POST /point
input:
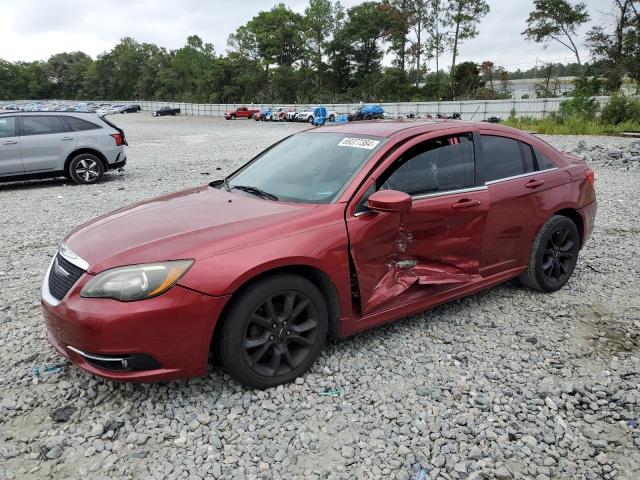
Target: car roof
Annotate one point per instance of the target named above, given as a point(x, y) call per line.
point(389, 128)
point(45, 112)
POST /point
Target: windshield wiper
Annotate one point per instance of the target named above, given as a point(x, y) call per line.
point(255, 191)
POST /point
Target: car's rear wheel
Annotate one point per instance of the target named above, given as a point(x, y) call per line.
point(310, 119)
point(554, 255)
point(273, 331)
point(85, 169)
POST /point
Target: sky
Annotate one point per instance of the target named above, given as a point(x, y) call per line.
point(36, 29)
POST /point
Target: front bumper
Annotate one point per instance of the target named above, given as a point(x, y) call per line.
point(173, 329)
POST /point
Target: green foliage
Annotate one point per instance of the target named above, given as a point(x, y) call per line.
point(466, 80)
point(579, 107)
point(569, 126)
point(556, 20)
point(621, 108)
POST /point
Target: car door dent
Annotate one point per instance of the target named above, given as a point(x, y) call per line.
point(404, 271)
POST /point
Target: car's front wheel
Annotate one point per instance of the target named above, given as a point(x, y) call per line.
point(86, 169)
point(274, 331)
point(554, 255)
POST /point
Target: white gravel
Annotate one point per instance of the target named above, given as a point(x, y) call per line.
point(504, 384)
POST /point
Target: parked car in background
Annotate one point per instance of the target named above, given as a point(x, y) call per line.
point(283, 114)
point(327, 233)
point(164, 111)
point(241, 112)
point(367, 112)
point(80, 146)
point(262, 115)
point(131, 109)
point(309, 115)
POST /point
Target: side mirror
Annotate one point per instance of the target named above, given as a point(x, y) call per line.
point(390, 201)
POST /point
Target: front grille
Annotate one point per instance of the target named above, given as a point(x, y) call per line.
point(63, 276)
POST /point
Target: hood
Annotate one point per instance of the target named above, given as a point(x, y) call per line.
point(194, 223)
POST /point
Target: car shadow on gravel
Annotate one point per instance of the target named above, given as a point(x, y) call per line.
point(51, 182)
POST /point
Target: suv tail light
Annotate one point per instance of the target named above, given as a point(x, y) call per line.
point(118, 138)
point(591, 177)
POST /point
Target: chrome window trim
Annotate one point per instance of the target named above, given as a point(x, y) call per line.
point(448, 192)
point(522, 175)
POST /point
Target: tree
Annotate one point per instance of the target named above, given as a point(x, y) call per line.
point(617, 52)
point(438, 40)
point(466, 80)
point(276, 35)
point(464, 16)
point(356, 49)
point(67, 73)
point(487, 67)
point(556, 20)
point(321, 19)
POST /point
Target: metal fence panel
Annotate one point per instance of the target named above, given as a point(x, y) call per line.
point(469, 110)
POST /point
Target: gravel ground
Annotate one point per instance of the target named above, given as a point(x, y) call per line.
point(504, 384)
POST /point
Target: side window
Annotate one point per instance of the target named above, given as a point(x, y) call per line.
point(7, 127)
point(543, 162)
point(33, 125)
point(529, 160)
point(501, 158)
point(441, 164)
point(79, 125)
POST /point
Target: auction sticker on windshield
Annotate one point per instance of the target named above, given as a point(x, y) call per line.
point(357, 142)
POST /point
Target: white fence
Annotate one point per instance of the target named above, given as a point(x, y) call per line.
point(470, 110)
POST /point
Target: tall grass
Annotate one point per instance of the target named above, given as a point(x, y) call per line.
point(572, 125)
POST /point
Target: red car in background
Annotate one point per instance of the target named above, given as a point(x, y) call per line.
point(327, 233)
point(241, 112)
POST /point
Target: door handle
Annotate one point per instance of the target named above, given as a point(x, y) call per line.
point(11, 142)
point(66, 138)
point(466, 203)
point(534, 183)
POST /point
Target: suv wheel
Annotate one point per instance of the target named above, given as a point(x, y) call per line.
point(273, 332)
point(310, 119)
point(554, 255)
point(86, 169)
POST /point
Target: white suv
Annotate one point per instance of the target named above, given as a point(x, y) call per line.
point(80, 146)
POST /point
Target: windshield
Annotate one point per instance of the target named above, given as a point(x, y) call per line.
point(308, 167)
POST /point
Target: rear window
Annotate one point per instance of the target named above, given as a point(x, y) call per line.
point(501, 158)
point(543, 162)
point(35, 125)
point(79, 125)
point(7, 127)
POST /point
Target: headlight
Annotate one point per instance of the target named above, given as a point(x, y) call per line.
point(136, 282)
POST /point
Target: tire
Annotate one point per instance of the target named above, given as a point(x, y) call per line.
point(553, 256)
point(332, 118)
point(249, 346)
point(85, 169)
point(310, 119)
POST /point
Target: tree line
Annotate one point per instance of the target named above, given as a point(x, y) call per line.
point(386, 50)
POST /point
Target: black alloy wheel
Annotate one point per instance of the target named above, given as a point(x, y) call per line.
point(554, 255)
point(280, 333)
point(273, 331)
point(559, 255)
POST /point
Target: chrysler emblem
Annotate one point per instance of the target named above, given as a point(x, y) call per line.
point(59, 270)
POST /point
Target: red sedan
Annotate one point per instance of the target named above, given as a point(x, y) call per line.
point(327, 233)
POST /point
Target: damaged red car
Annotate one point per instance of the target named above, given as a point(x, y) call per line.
point(325, 234)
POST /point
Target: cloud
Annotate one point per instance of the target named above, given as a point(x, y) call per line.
point(37, 29)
